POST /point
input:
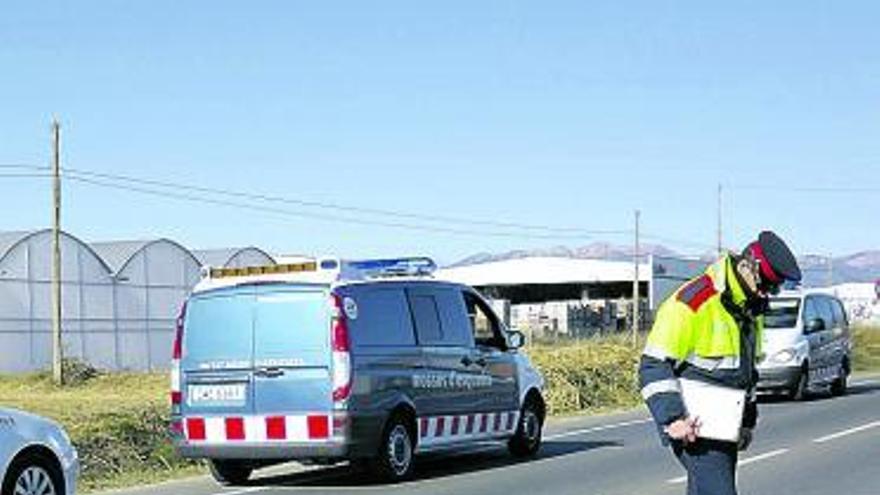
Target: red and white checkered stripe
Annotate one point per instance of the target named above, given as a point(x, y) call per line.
point(258, 429)
point(435, 430)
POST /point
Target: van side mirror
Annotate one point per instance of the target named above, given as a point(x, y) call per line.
point(815, 325)
point(515, 339)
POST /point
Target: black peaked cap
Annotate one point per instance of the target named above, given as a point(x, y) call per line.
point(779, 256)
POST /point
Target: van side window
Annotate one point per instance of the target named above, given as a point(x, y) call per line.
point(453, 318)
point(810, 311)
point(382, 318)
point(825, 311)
point(427, 318)
point(483, 323)
point(839, 313)
point(440, 318)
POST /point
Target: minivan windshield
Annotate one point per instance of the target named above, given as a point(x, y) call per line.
point(782, 313)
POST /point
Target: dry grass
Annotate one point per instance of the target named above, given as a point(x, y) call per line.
point(118, 423)
point(593, 375)
point(866, 348)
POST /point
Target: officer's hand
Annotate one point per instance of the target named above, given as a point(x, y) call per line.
point(745, 438)
point(685, 429)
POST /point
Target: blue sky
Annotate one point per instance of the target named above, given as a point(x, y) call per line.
point(563, 114)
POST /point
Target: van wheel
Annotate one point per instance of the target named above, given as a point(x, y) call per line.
point(801, 388)
point(394, 461)
point(35, 474)
point(527, 440)
point(839, 385)
point(229, 473)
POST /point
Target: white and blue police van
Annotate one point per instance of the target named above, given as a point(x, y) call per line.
point(328, 360)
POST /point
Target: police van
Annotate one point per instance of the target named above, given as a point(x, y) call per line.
point(330, 360)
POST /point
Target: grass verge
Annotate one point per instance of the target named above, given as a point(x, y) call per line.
point(595, 375)
point(866, 348)
point(118, 423)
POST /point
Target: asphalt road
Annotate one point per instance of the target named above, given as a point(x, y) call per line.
point(822, 446)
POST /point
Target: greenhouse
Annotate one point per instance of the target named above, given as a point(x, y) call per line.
point(119, 299)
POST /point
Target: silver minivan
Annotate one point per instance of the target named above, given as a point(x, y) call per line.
point(806, 345)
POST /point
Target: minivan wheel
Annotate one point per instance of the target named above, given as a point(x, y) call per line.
point(230, 473)
point(33, 474)
point(801, 388)
point(839, 385)
point(527, 440)
point(394, 461)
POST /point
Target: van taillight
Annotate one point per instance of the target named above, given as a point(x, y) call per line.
point(177, 351)
point(341, 345)
point(176, 355)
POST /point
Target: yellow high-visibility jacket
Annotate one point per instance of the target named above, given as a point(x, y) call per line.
point(704, 331)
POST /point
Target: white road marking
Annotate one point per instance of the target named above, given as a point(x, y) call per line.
point(846, 432)
point(744, 462)
point(598, 428)
point(243, 491)
point(865, 382)
point(761, 457)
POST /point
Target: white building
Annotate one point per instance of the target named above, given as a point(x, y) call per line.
point(572, 296)
point(862, 300)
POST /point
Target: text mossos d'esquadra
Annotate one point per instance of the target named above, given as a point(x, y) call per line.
point(451, 380)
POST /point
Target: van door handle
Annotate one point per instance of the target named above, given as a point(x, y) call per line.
point(467, 361)
point(270, 372)
point(481, 362)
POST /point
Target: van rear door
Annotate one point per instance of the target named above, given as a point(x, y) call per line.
point(292, 355)
point(217, 362)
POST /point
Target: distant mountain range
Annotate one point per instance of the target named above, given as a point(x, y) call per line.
point(859, 267)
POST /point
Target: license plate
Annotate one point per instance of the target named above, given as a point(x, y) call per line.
point(216, 394)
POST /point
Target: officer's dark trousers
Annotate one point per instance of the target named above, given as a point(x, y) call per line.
point(710, 465)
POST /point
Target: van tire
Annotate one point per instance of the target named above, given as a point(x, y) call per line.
point(527, 440)
point(839, 385)
point(230, 473)
point(396, 456)
point(800, 390)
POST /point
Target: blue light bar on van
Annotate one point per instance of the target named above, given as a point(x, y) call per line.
point(395, 266)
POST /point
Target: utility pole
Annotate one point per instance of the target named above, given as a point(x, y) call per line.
point(635, 317)
point(830, 270)
point(57, 374)
point(720, 239)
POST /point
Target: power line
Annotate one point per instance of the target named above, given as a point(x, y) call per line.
point(22, 175)
point(682, 242)
point(826, 189)
point(340, 207)
point(319, 216)
point(23, 166)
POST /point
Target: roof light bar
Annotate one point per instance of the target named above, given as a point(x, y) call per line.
point(244, 271)
point(395, 266)
point(335, 268)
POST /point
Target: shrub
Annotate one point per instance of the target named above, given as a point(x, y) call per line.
point(592, 375)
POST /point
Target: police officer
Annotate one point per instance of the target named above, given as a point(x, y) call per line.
point(710, 330)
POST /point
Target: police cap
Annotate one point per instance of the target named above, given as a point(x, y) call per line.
point(778, 264)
